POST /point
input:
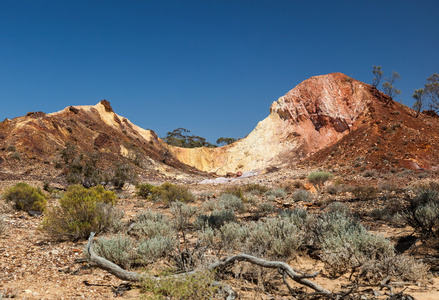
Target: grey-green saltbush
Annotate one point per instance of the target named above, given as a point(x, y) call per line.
point(277, 193)
point(338, 207)
point(230, 202)
point(2, 225)
point(301, 195)
point(423, 213)
point(150, 224)
point(274, 238)
point(156, 247)
point(182, 214)
point(225, 202)
point(345, 243)
point(267, 207)
point(233, 236)
point(118, 249)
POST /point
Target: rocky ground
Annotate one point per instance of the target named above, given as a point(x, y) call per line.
point(33, 266)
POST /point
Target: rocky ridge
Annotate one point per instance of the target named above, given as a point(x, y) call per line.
point(315, 114)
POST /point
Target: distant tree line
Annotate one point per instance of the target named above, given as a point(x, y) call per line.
point(181, 137)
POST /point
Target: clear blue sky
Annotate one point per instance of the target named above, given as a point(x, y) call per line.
point(213, 67)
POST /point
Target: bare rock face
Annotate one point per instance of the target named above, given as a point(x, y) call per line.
point(316, 113)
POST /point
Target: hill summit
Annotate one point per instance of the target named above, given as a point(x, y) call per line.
point(325, 120)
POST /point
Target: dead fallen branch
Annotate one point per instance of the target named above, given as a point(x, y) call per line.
point(282, 267)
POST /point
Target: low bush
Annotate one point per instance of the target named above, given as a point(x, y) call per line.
point(338, 207)
point(2, 225)
point(294, 185)
point(123, 174)
point(216, 219)
point(224, 202)
point(273, 238)
point(333, 189)
point(118, 249)
point(233, 236)
point(168, 192)
point(150, 224)
point(364, 192)
point(195, 286)
point(230, 202)
point(423, 213)
point(237, 191)
point(254, 188)
point(301, 195)
point(267, 208)
point(277, 193)
point(182, 214)
point(401, 267)
point(152, 249)
point(82, 211)
point(144, 190)
point(25, 197)
point(318, 179)
point(346, 244)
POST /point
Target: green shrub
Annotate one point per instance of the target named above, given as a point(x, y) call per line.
point(16, 155)
point(318, 179)
point(11, 148)
point(168, 192)
point(144, 190)
point(82, 211)
point(25, 197)
point(118, 249)
point(195, 286)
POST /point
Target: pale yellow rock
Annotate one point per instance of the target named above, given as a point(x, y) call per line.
point(315, 114)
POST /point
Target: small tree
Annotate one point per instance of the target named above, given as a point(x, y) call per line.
point(432, 91)
point(389, 86)
point(419, 96)
point(180, 137)
point(225, 141)
point(318, 179)
point(377, 76)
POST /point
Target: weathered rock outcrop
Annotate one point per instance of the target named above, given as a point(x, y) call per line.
point(315, 114)
point(37, 140)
